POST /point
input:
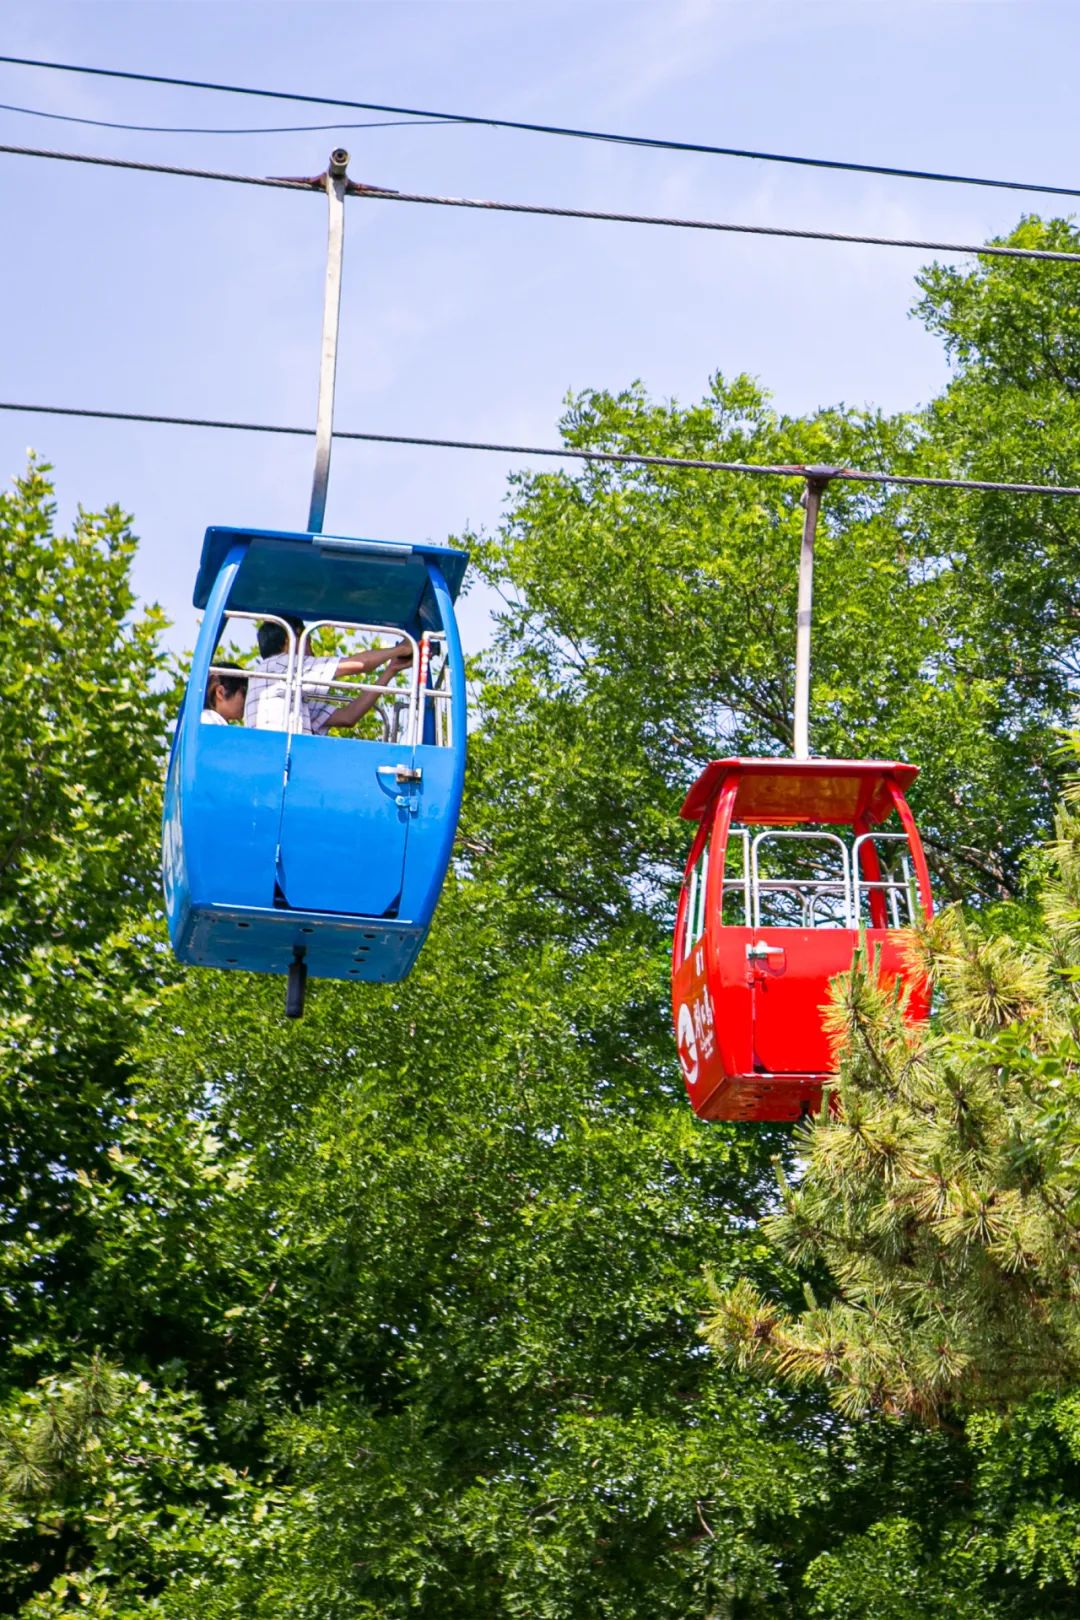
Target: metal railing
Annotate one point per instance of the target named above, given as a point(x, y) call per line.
point(302, 690)
point(401, 710)
point(807, 891)
point(434, 684)
point(892, 888)
point(834, 900)
point(249, 674)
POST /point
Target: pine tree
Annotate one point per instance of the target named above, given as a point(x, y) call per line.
point(939, 1199)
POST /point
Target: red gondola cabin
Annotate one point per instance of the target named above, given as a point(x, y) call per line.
point(791, 859)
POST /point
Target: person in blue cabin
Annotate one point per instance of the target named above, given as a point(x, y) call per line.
point(225, 697)
point(267, 705)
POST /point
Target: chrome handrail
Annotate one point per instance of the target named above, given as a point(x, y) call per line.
point(348, 683)
point(890, 887)
point(795, 885)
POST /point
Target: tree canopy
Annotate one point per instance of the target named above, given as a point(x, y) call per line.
point(399, 1311)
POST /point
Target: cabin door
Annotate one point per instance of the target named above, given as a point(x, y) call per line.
point(346, 812)
point(801, 936)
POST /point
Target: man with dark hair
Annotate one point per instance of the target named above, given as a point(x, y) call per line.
point(268, 698)
point(273, 638)
point(225, 697)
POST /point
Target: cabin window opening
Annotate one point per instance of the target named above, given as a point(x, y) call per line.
point(894, 880)
point(800, 880)
point(736, 908)
point(696, 884)
point(314, 695)
point(298, 689)
point(817, 879)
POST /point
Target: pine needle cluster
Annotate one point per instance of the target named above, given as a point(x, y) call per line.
point(939, 1199)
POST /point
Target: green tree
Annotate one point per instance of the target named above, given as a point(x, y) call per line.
point(81, 738)
point(469, 1243)
point(664, 602)
point(940, 1194)
point(103, 1492)
point(103, 1477)
point(405, 1302)
point(1011, 330)
point(940, 1197)
point(467, 1278)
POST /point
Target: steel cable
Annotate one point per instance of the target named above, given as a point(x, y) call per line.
point(542, 210)
point(789, 231)
point(202, 129)
point(566, 131)
point(850, 475)
point(160, 168)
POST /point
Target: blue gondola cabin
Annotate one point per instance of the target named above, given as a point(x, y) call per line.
point(282, 845)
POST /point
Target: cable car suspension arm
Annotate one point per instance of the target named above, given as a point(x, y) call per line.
point(817, 481)
point(336, 184)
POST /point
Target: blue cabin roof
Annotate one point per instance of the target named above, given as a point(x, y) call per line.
point(315, 576)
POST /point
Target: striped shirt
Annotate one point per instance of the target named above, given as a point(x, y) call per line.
point(267, 706)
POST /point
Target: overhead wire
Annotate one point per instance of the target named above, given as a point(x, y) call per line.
point(200, 129)
point(564, 131)
point(789, 232)
point(279, 183)
point(927, 245)
point(850, 475)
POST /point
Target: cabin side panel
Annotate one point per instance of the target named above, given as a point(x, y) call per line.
point(695, 1030)
point(232, 812)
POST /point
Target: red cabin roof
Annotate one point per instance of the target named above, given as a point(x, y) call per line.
point(781, 792)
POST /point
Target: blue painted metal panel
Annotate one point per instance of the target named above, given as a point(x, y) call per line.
point(431, 835)
point(233, 814)
point(180, 842)
point(174, 879)
point(442, 781)
point(319, 576)
point(335, 947)
point(345, 826)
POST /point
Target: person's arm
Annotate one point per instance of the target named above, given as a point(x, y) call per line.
point(349, 713)
point(361, 663)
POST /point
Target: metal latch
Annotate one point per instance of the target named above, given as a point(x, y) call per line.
point(758, 952)
point(401, 773)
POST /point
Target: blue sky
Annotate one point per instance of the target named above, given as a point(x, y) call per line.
point(145, 293)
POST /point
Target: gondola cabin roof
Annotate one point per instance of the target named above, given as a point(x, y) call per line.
point(315, 576)
point(783, 792)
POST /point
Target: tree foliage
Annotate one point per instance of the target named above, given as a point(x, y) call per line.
point(397, 1312)
point(103, 1492)
point(81, 736)
point(940, 1191)
point(941, 1198)
point(664, 602)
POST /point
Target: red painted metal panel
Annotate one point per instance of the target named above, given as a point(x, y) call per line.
point(778, 792)
point(791, 991)
point(695, 1030)
point(748, 1021)
point(790, 988)
point(922, 873)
